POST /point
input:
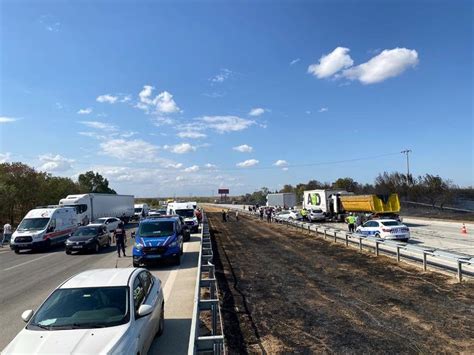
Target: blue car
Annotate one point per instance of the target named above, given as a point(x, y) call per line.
point(158, 239)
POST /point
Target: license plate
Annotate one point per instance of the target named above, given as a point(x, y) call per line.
point(154, 256)
point(77, 246)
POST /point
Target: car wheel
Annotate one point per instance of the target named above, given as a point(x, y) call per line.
point(177, 259)
point(161, 325)
point(377, 235)
point(17, 251)
point(136, 264)
point(68, 252)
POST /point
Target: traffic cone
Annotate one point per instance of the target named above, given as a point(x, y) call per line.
point(464, 229)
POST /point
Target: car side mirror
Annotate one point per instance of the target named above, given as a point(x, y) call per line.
point(26, 315)
point(144, 310)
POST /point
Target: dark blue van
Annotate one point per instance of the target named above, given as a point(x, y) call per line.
point(158, 239)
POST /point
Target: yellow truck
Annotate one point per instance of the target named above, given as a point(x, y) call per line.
point(371, 203)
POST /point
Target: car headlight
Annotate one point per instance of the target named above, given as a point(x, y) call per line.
point(68, 242)
point(138, 246)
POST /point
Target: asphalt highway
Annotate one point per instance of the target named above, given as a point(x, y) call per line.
point(26, 279)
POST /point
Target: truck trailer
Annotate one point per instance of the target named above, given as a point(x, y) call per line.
point(91, 206)
point(286, 199)
point(336, 204)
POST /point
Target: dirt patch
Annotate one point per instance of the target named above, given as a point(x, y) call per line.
point(286, 291)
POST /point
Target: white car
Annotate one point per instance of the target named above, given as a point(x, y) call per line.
point(102, 311)
point(111, 223)
point(289, 214)
point(385, 229)
point(316, 215)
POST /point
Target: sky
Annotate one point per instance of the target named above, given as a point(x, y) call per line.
point(184, 97)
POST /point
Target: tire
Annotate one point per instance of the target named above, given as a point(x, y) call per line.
point(377, 235)
point(68, 252)
point(136, 264)
point(17, 251)
point(161, 326)
point(177, 259)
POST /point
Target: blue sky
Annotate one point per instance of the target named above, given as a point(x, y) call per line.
point(182, 97)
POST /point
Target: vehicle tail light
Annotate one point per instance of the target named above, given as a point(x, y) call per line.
point(386, 230)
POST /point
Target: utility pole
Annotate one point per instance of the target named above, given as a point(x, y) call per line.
point(407, 152)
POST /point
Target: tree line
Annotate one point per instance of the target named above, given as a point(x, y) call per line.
point(22, 188)
point(427, 188)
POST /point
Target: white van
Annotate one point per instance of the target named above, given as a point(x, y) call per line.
point(185, 210)
point(43, 227)
point(141, 210)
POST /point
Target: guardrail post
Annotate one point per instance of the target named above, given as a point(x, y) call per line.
point(459, 271)
point(360, 243)
point(376, 248)
point(335, 236)
point(325, 233)
point(347, 240)
point(398, 253)
point(424, 261)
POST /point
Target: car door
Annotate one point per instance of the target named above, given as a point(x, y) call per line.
point(365, 230)
point(152, 299)
point(140, 324)
point(103, 235)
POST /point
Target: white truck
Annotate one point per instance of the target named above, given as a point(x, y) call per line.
point(284, 199)
point(43, 227)
point(185, 210)
point(327, 201)
point(91, 206)
point(140, 210)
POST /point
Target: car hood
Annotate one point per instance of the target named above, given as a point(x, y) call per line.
point(75, 341)
point(80, 238)
point(154, 241)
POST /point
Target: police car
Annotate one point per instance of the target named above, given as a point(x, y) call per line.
point(385, 229)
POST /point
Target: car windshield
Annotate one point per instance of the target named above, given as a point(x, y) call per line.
point(188, 213)
point(29, 224)
point(391, 223)
point(156, 229)
point(317, 211)
point(86, 231)
point(100, 220)
point(138, 210)
point(77, 308)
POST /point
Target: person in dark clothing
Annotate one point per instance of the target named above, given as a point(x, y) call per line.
point(119, 236)
point(261, 214)
point(224, 216)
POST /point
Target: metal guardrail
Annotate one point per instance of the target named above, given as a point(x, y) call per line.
point(389, 247)
point(213, 343)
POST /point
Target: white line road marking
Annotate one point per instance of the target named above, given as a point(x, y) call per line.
point(26, 262)
point(172, 277)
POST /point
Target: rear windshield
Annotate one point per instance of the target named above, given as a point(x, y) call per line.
point(86, 231)
point(138, 210)
point(391, 223)
point(156, 229)
point(188, 213)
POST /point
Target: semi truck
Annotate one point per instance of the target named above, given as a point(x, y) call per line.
point(285, 199)
point(91, 206)
point(336, 204)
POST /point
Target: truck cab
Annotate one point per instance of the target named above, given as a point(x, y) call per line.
point(158, 239)
point(44, 227)
point(141, 210)
point(187, 211)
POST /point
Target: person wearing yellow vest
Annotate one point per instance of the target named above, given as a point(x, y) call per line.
point(351, 221)
point(304, 213)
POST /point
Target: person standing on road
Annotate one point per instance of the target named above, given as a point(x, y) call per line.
point(224, 216)
point(119, 236)
point(7, 233)
point(237, 216)
point(261, 214)
point(351, 220)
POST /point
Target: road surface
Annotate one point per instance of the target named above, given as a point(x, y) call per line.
point(26, 279)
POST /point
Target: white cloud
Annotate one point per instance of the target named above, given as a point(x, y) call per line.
point(180, 148)
point(128, 134)
point(281, 163)
point(107, 98)
point(191, 134)
point(174, 165)
point(389, 63)
point(210, 166)
point(130, 150)
point(54, 163)
point(179, 178)
point(294, 61)
point(244, 148)
point(84, 111)
point(258, 111)
point(92, 135)
point(162, 121)
point(163, 103)
point(284, 169)
point(330, 64)
point(4, 119)
point(223, 124)
point(50, 23)
point(222, 76)
point(323, 109)
point(308, 112)
point(4, 157)
point(192, 169)
point(248, 163)
point(99, 125)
